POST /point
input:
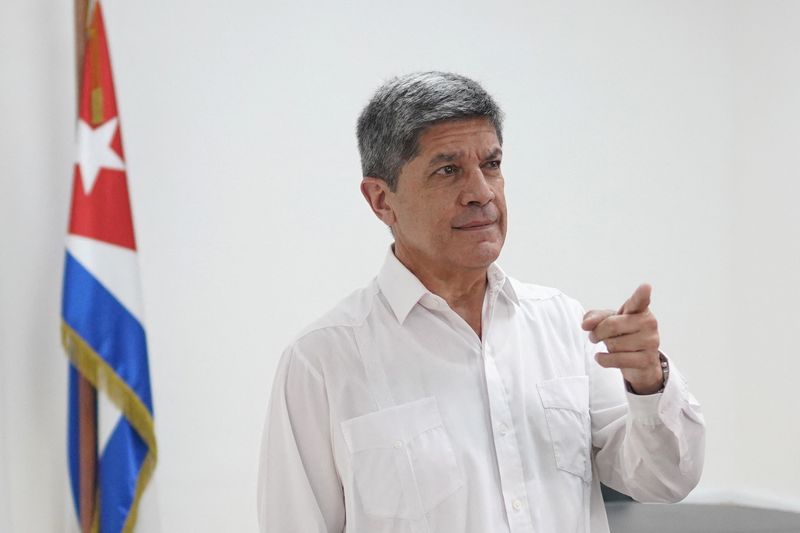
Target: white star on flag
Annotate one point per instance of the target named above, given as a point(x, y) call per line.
point(95, 152)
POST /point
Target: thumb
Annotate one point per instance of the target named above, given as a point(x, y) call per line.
point(639, 300)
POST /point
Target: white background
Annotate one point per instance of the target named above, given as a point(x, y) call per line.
point(645, 141)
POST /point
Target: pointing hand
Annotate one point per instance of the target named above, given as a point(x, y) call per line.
point(631, 337)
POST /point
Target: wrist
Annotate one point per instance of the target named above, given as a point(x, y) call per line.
point(657, 385)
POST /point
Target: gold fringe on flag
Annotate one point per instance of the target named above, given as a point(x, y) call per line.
point(95, 369)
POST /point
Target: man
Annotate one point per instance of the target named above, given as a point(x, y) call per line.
point(447, 397)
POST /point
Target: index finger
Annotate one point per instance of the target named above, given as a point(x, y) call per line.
point(639, 300)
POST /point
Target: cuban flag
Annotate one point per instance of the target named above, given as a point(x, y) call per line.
point(102, 329)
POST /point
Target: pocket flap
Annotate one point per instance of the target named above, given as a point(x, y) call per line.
point(382, 429)
point(571, 392)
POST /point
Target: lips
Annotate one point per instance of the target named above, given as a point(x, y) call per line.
point(476, 224)
point(476, 218)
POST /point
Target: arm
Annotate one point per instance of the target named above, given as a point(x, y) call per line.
point(298, 485)
point(649, 447)
point(648, 444)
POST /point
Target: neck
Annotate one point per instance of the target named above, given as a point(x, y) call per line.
point(462, 289)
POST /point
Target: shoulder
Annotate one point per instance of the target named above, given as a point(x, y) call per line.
point(332, 332)
point(351, 311)
point(532, 293)
point(542, 298)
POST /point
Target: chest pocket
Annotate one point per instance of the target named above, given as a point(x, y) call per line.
point(402, 459)
point(566, 408)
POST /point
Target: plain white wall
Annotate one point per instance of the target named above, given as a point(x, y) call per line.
point(765, 250)
point(36, 152)
point(645, 141)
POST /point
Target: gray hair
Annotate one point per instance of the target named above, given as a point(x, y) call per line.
point(404, 107)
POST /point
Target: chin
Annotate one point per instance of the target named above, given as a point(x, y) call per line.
point(481, 255)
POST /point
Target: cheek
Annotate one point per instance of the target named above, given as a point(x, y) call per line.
point(433, 210)
point(428, 215)
point(422, 216)
point(500, 191)
point(500, 200)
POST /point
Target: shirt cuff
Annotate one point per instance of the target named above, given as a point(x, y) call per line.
point(651, 409)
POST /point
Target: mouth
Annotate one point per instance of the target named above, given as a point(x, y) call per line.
point(476, 225)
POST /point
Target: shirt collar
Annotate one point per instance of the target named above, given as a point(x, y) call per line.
point(499, 281)
point(403, 290)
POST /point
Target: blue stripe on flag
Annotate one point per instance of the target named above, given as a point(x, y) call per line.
point(107, 326)
point(73, 450)
point(118, 473)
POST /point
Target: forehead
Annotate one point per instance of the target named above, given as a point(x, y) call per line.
point(458, 135)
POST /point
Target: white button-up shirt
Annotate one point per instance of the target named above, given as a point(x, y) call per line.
point(391, 415)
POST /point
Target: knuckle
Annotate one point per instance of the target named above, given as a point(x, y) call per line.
point(652, 359)
point(655, 342)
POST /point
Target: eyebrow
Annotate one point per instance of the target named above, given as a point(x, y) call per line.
point(497, 152)
point(443, 158)
point(452, 156)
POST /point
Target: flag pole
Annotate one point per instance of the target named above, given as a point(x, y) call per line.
point(87, 396)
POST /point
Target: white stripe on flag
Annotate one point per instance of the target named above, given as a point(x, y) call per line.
point(107, 419)
point(117, 268)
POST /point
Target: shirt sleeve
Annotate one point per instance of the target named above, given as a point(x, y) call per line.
point(650, 447)
point(298, 485)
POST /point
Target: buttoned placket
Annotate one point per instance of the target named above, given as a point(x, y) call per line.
point(509, 459)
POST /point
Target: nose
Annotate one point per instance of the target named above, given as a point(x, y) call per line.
point(476, 189)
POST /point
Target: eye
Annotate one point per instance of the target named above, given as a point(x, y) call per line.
point(494, 165)
point(447, 170)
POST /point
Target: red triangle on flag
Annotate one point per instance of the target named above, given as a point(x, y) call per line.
point(105, 213)
point(100, 203)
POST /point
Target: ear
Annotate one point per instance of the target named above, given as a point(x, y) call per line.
point(376, 191)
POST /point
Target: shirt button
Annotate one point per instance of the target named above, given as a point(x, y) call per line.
point(517, 505)
point(503, 429)
point(398, 444)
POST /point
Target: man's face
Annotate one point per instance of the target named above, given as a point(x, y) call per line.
point(449, 209)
